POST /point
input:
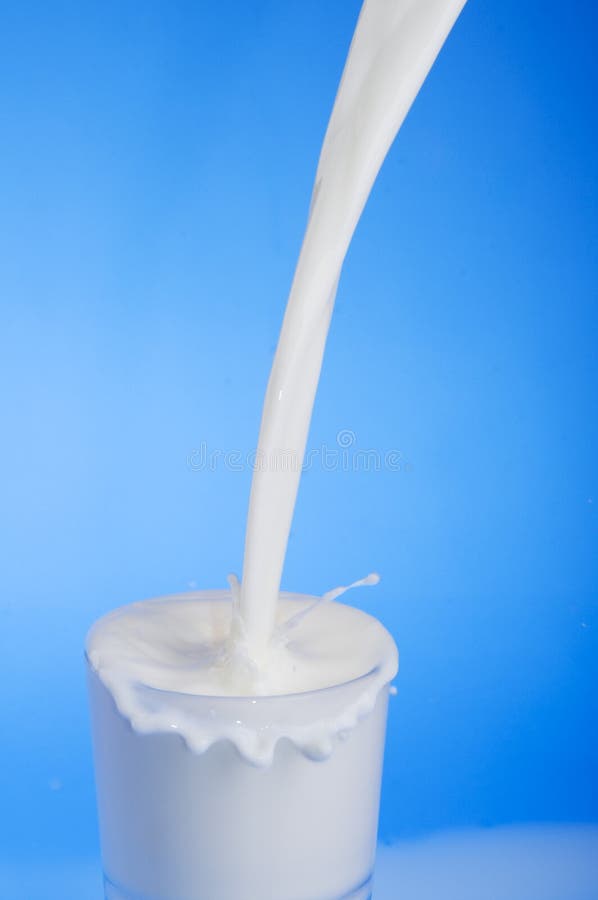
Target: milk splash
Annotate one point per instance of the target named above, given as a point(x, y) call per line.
point(393, 48)
point(170, 666)
point(235, 658)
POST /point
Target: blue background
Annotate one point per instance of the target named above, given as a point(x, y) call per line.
point(156, 163)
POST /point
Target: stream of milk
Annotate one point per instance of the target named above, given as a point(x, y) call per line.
point(393, 48)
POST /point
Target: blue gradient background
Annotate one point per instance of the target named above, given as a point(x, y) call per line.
point(156, 162)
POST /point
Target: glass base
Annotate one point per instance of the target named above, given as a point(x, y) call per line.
point(114, 892)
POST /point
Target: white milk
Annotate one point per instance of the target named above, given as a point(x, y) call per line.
point(166, 660)
point(395, 43)
point(183, 825)
point(238, 739)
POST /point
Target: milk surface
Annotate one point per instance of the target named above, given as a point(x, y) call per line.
point(182, 643)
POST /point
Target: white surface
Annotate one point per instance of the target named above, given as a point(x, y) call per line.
point(523, 863)
point(529, 862)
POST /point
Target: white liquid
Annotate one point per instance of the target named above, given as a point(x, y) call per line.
point(165, 660)
point(394, 46)
point(199, 825)
point(238, 675)
point(190, 649)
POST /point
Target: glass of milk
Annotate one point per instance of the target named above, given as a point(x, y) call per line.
point(238, 745)
point(223, 797)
